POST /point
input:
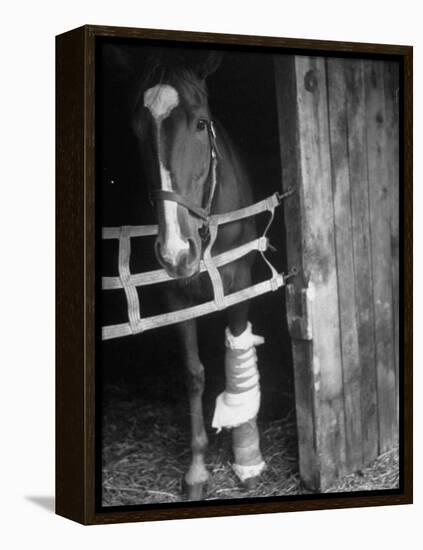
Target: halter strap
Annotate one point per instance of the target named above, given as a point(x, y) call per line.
point(161, 194)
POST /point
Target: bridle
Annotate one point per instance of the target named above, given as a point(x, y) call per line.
point(203, 213)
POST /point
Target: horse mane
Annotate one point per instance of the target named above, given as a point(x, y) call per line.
point(176, 69)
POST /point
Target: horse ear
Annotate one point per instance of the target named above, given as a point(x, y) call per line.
point(210, 64)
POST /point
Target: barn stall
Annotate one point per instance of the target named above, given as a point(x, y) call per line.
point(328, 128)
point(142, 377)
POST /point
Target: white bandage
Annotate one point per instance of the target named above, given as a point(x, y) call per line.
point(244, 341)
point(240, 401)
point(246, 472)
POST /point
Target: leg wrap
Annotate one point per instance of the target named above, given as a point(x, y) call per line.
point(246, 446)
point(238, 405)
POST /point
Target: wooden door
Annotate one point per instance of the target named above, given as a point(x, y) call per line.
point(338, 122)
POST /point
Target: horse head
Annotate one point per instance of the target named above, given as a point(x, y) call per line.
point(173, 122)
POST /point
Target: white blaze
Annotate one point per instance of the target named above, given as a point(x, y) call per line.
point(174, 243)
point(160, 100)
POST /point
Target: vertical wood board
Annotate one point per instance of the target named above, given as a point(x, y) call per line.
point(319, 264)
point(361, 244)
point(379, 165)
point(338, 126)
point(302, 351)
point(391, 86)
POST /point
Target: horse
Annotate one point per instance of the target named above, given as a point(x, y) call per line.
point(194, 172)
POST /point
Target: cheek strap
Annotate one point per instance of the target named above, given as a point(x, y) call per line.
point(197, 211)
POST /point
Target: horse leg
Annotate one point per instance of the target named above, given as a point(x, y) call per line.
point(238, 318)
point(248, 461)
point(195, 480)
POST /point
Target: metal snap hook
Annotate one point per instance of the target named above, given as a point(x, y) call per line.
point(285, 194)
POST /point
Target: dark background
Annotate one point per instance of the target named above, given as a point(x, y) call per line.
point(242, 98)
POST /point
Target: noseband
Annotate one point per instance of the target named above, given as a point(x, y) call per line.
point(197, 211)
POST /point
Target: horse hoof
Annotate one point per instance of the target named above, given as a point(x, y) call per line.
point(194, 491)
point(251, 482)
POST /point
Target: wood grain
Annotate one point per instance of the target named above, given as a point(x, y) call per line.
point(320, 265)
point(297, 313)
point(361, 245)
point(380, 208)
point(391, 92)
point(338, 95)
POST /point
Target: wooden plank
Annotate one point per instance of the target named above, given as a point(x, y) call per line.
point(286, 96)
point(361, 245)
point(320, 266)
point(300, 329)
point(391, 85)
point(338, 129)
point(379, 165)
point(302, 350)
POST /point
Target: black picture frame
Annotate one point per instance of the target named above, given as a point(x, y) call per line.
point(76, 237)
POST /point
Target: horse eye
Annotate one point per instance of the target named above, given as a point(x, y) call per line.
point(201, 124)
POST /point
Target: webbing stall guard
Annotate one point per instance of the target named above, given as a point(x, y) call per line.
point(130, 281)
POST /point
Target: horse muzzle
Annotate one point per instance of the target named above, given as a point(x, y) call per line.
point(179, 262)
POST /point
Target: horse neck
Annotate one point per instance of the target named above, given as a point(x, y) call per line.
point(233, 189)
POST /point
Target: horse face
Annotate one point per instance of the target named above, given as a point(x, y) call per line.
point(183, 151)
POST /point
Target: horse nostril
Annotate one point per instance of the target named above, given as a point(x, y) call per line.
point(192, 251)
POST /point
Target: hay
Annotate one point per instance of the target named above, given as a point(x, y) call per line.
point(382, 473)
point(146, 453)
